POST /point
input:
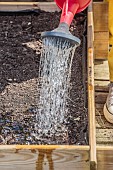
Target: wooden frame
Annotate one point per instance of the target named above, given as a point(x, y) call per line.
point(80, 157)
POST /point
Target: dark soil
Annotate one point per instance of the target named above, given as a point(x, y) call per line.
point(20, 46)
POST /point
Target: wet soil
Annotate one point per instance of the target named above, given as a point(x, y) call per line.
point(20, 46)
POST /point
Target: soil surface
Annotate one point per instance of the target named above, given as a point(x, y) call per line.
point(20, 47)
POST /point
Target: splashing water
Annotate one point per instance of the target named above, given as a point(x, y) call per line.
point(55, 71)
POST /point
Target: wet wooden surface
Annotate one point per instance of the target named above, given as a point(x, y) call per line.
point(44, 159)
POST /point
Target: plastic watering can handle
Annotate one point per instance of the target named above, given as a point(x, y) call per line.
point(70, 8)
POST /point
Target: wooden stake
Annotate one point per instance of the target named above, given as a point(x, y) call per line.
point(91, 102)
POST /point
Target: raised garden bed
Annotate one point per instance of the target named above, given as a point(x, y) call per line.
point(20, 57)
point(23, 32)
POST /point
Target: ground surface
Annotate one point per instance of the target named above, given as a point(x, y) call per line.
point(19, 64)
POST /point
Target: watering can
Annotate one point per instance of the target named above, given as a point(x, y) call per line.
point(69, 9)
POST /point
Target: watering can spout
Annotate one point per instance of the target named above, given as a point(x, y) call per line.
point(70, 8)
point(68, 11)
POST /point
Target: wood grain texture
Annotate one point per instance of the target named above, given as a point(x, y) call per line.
point(104, 129)
point(101, 86)
point(100, 97)
point(105, 158)
point(22, 6)
point(48, 147)
point(101, 31)
point(101, 70)
point(102, 123)
point(99, 109)
point(91, 105)
point(43, 159)
point(104, 136)
point(101, 45)
point(99, 106)
point(100, 10)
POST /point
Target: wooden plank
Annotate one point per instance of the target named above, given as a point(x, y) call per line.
point(101, 70)
point(104, 136)
point(38, 159)
point(103, 75)
point(102, 35)
point(102, 123)
point(99, 106)
point(22, 6)
point(100, 97)
point(91, 106)
point(54, 147)
point(100, 10)
point(101, 54)
point(104, 148)
point(101, 45)
point(101, 62)
point(99, 110)
point(101, 31)
point(105, 157)
point(101, 86)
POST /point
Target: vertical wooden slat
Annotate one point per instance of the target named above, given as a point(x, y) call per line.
point(91, 105)
point(101, 31)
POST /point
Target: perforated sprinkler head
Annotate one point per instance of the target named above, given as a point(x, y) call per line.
point(63, 33)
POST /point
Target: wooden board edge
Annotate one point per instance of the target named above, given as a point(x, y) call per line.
point(101, 2)
point(91, 101)
point(104, 148)
point(44, 157)
point(23, 6)
point(101, 57)
point(63, 147)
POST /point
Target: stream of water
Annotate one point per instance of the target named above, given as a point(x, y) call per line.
point(55, 72)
